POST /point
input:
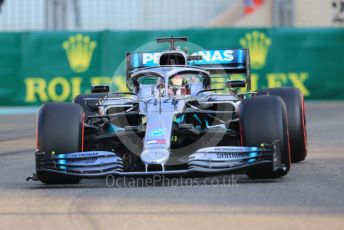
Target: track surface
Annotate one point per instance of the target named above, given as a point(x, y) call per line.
point(311, 196)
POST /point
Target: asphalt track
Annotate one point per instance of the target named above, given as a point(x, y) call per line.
point(311, 196)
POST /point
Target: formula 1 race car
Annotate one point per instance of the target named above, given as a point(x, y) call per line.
point(173, 122)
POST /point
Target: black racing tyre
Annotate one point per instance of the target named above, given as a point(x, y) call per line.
point(263, 120)
point(294, 101)
point(59, 130)
point(80, 100)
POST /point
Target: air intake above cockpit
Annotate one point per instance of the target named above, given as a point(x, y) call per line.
point(173, 58)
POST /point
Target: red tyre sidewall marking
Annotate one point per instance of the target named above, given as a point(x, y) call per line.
point(241, 135)
point(303, 118)
point(37, 146)
point(289, 150)
point(240, 130)
point(37, 143)
point(82, 131)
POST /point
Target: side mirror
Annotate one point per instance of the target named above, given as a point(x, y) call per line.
point(100, 89)
point(235, 83)
point(195, 58)
point(130, 84)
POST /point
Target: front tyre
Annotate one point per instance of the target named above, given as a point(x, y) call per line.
point(294, 102)
point(263, 120)
point(60, 131)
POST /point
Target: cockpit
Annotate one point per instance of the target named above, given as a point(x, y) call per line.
point(179, 84)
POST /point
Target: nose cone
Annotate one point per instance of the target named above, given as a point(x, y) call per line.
point(155, 156)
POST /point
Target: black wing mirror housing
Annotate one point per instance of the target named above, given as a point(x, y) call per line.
point(100, 89)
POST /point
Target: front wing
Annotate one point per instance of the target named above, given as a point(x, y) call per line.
point(206, 160)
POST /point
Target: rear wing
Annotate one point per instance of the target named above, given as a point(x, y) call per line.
point(222, 61)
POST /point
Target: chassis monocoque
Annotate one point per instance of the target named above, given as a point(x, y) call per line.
point(172, 122)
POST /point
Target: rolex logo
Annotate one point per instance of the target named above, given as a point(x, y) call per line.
point(258, 44)
point(79, 50)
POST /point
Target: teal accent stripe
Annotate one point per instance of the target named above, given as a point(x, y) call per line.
point(62, 161)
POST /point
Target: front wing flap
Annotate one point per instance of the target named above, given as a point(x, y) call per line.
point(231, 157)
point(81, 163)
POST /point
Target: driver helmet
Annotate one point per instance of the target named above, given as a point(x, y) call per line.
point(178, 86)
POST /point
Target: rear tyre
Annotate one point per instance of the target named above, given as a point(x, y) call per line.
point(60, 131)
point(294, 101)
point(263, 120)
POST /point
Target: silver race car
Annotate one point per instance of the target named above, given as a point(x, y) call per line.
point(173, 122)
